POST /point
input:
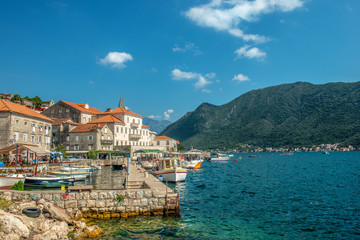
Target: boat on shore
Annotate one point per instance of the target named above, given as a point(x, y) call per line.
point(219, 157)
point(6, 182)
point(48, 182)
point(192, 159)
point(169, 169)
point(78, 177)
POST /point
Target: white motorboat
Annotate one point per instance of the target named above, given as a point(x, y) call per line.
point(6, 182)
point(169, 169)
point(192, 159)
point(76, 169)
point(219, 157)
point(78, 177)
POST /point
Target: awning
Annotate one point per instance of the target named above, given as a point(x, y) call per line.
point(24, 147)
point(56, 153)
point(148, 151)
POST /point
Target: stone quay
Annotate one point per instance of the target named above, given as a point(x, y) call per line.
point(144, 195)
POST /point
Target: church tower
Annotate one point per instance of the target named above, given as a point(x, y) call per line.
point(121, 103)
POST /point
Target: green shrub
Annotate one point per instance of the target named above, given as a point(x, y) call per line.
point(19, 186)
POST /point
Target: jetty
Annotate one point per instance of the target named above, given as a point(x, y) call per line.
point(143, 194)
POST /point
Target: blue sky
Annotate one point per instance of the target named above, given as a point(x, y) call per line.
point(166, 57)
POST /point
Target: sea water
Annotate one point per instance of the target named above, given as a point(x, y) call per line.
point(270, 196)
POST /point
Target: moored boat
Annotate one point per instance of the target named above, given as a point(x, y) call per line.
point(48, 182)
point(192, 159)
point(219, 157)
point(76, 169)
point(169, 169)
point(78, 177)
point(6, 182)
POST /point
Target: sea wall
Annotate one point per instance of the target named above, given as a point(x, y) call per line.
point(101, 204)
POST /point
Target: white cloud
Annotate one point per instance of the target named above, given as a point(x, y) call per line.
point(116, 59)
point(240, 78)
point(154, 117)
point(206, 91)
point(227, 15)
point(189, 47)
point(168, 113)
point(201, 81)
point(250, 52)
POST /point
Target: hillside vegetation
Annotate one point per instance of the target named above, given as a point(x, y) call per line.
point(298, 114)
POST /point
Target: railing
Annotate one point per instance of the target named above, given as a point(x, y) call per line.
point(134, 125)
point(134, 136)
point(107, 142)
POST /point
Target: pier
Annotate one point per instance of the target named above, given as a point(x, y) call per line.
point(143, 195)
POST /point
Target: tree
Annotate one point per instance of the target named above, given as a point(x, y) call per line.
point(16, 98)
point(61, 148)
point(37, 102)
point(92, 154)
point(180, 147)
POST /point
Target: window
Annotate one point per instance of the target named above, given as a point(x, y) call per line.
point(67, 110)
point(105, 129)
point(167, 143)
point(40, 128)
point(108, 137)
point(117, 129)
point(90, 147)
point(39, 139)
point(102, 137)
point(117, 143)
point(46, 130)
point(68, 138)
point(33, 126)
point(67, 147)
point(122, 130)
point(76, 138)
point(25, 123)
point(158, 143)
point(76, 147)
point(90, 138)
point(17, 121)
point(52, 111)
point(84, 119)
point(60, 110)
point(25, 137)
point(32, 139)
point(16, 136)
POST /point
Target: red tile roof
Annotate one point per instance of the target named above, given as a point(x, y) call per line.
point(13, 107)
point(59, 121)
point(121, 110)
point(162, 138)
point(89, 127)
point(107, 119)
point(81, 107)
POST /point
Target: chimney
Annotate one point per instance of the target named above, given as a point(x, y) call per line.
point(108, 109)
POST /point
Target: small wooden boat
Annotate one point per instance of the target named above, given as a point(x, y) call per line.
point(169, 169)
point(76, 177)
point(6, 182)
point(48, 182)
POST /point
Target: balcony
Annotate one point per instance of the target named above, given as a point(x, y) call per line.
point(107, 142)
point(134, 136)
point(134, 125)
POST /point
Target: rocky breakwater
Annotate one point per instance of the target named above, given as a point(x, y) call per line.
point(52, 223)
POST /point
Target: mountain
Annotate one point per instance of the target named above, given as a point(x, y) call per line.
point(156, 126)
point(297, 114)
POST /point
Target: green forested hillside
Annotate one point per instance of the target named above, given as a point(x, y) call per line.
point(298, 114)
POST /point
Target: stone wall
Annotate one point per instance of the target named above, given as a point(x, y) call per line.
point(100, 204)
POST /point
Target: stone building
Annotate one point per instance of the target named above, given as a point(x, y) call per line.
point(127, 126)
point(90, 136)
point(165, 143)
point(78, 113)
point(19, 124)
point(60, 130)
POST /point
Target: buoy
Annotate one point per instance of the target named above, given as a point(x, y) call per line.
point(235, 160)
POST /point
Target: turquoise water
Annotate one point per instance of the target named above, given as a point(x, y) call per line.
point(303, 196)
